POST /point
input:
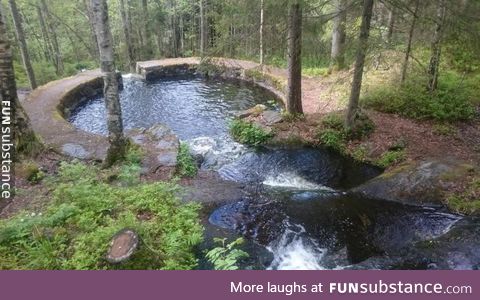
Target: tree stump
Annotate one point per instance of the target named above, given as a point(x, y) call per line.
point(122, 246)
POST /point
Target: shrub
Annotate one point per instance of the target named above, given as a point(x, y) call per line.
point(391, 158)
point(452, 101)
point(249, 133)
point(468, 201)
point(75, 230)
point(227, 256)
point(186, 165)
point(333, 139)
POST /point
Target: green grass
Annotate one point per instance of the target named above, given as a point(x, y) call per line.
point(186, 165)
point(452, 101)
point(248, 133)
point(467, 202)
point(88, 207)
point(391, 157)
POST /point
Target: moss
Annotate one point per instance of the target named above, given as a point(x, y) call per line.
point(467, 201)
point(390, 158)
point(30, 171)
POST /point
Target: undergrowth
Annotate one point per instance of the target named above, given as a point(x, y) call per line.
point(248, 133)
point(186, 165)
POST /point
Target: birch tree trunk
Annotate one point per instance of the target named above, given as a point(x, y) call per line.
point(117, 148)
point(294, 93)
point(352, 110)
point(203, 28)
point(147, 37)
point(17, 22)
point(25, 140)
point(338, 35)
point(93, 37)
point(53, 38)
point(46, 38)
point(128, 36)
point(409, 42)
point(436, 47)
point(391, 24)
point(262, 11)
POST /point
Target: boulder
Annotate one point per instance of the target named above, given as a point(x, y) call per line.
point(271, 117)
point(123, 245)
point(253, 111)
point(422, 183)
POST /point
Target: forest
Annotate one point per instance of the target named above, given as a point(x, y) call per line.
point(254, 134)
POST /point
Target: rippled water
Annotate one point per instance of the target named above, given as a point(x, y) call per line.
point(191, 106)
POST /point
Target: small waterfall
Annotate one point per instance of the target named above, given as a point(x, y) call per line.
point(293, 181)
point(294, 250)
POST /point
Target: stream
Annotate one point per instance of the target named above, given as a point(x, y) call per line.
point(295, 208)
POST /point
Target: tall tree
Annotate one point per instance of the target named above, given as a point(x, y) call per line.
point(26, 142)
point(409, 42)
point(127, 30)
point(17, 22)
point(338, 35)
point(436, 46)
point(57, 55)
point(203, 28)
point(93, 36)
point(262, 11)
point(352, 110)
point(294, 93)
point(117, 148)
point(147, 39)
point(391, 24)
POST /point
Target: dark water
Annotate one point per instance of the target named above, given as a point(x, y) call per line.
point(296, 211)
point(191, 106)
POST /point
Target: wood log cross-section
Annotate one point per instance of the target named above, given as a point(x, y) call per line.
point(123, 245)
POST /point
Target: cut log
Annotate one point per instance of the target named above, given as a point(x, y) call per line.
point(122, 246)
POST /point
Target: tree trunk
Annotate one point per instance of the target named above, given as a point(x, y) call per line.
point(338, 35)
point(262, 9)
point(436, 47)
point(203, 28)
point(88, 8)
point(352, 110)
point(294, 93)
point(409, 42)
point(53, 38)
point(24, 139)
point(391, 24)
point(117, 148)
point(17, 22)
point(128, 36)
point(148, 47)
point(46, 39)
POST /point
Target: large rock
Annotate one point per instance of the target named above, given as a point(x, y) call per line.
point(160, 147)
point(423, 183)
point(253, 111)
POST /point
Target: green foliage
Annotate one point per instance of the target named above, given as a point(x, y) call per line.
point(186, 165)
point(444, 129)
point(315, 72)
point(334, 139)
point(467, 201)
point(391, 157)
point(75, 230)
point(291, 117)
point(451, 102)
point(360, 153)
point(249, 133)
point(30, 171)
point(333, 121)
point(227, 256)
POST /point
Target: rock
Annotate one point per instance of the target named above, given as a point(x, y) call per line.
point(254, 111)
point(416, 184)
point(160, 146)
point(271, 117)
point(122, 246)
point(75, 150)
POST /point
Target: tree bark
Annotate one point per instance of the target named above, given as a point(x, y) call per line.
point(409, 42)
point(391, 24)
point(46, 38)
point(25, 140)
point(17, 22)
point(352, 111)
point(436, 47)
point(294, 93)
point(147, 38)
point(203, 28)
point(93, 37)
point(117, 148)
point(128, 36)
point(262, 11)
point(53, 38)
point(338, 35)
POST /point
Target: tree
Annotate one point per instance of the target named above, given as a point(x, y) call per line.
point(337, 56)
point(391, 24)
point(117, 148)
point(352, 110)
point(57, 56)
point(436, 47)
point(294, 92)
point(262, 8)
point(409, 42)
point(203, 28)
point(17, 22)
point(26, 142)
point(127, 30)
point(147, 39)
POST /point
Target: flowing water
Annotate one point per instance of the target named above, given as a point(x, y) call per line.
point(295, 206)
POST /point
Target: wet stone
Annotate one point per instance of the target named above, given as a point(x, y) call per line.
point(75, 150)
